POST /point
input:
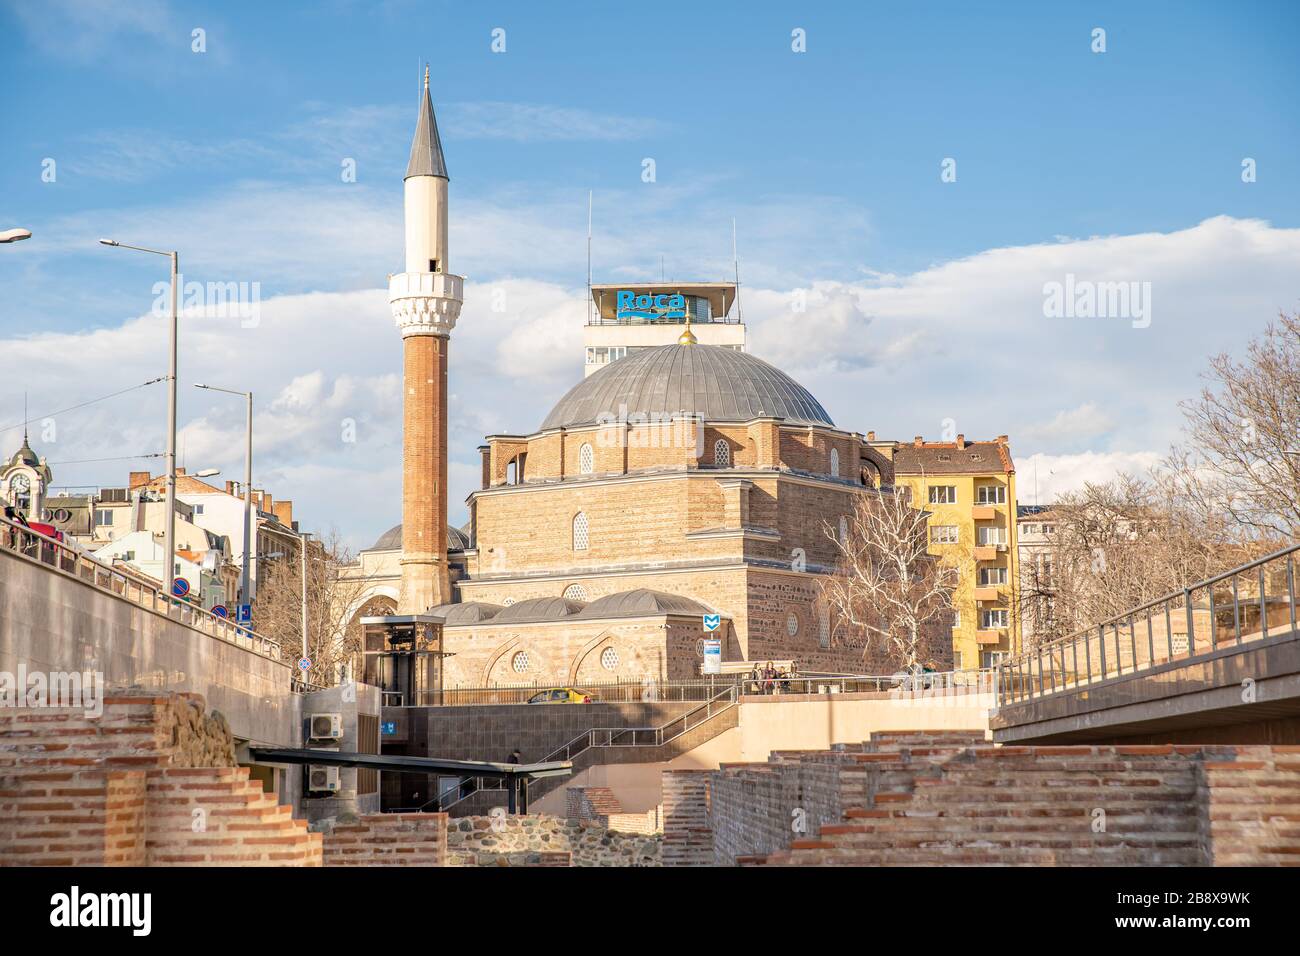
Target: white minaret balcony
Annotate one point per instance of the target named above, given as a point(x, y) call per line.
point(426, 303)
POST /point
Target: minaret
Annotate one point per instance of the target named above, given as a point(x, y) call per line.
point(426, 302)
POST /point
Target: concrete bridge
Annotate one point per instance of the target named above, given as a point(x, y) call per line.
point(1216, 663)
point(63, 612)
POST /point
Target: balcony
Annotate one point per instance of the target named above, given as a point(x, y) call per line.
point(983, 512)
point(988, 552)
point(989, 636)
point(988, 592)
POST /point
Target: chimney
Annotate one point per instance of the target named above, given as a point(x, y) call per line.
point(284, 512)
point(1002, 439)
point(180, 471)
point(871, 436)
point(138, 478)
point(268, 503)
point(918, 441)
point(961, 441)
point(230, 488)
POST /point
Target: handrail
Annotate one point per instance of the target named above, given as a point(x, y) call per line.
point(31, 545)
point(1085, 656)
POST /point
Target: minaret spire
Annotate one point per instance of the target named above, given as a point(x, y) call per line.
point(426, 147)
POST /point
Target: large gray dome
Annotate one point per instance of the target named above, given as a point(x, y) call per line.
point(717, 384)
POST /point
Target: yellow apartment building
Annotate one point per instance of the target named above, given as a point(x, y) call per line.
point(969, 490)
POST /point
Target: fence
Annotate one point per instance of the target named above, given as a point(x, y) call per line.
point(144, 592)
point(1247, 603)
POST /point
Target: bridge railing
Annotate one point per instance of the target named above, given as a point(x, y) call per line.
point(1246, 603)
point(137, 589)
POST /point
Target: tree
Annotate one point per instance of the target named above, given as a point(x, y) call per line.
point(1114, 546)
point(1242, 459)
point(331, 603)
point(886, 587)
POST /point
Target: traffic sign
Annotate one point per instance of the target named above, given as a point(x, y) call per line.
point(304, 663)
point(712, 656)
point(220, 610)
point(244, 613)
point(712, 622)
point(180, 587)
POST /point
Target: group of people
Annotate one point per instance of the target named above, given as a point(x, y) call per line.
point(770, 679)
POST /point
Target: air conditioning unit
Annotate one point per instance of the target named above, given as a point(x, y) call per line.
point(321, 779)
point(325, 727)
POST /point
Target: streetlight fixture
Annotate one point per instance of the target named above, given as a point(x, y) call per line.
point(170, 535)
point(246, 584)
point(15, 235)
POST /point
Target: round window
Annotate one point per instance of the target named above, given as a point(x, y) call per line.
point(792, 624)
point(507, 602)
point(575, 592)
point(520, 662)
point(609, 659)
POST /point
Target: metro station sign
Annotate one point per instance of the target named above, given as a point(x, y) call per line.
point(645, 305)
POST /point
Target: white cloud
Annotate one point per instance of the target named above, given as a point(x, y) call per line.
point(898, 354)
point(532, 122)
point(1040, 478)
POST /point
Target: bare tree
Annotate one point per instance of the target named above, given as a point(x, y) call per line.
point(1242, 459)
point(1116, 545)
point(886, 588)
point(331, 605)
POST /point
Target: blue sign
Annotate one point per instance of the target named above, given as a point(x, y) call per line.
point(712, 622)
point(244, 613)
point(220, 610)
point(388, 728)
point(644, 305)
point(180, 587)
point(304, 663)
point(712, 657)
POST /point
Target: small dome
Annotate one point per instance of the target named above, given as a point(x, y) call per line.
point(391, 540)
point(715, 383)
point(641, 602)
point(471, 612)
point(538, 609)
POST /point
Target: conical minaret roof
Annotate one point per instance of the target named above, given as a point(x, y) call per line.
point(426, 148)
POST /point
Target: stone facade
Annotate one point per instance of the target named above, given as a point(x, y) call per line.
point(534, 839)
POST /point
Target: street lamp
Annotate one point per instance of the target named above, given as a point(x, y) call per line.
point(15, 235)
point(207, 473)
point(170, 536)
point(246, 583)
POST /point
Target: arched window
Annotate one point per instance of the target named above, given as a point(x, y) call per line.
point(722, 453)
point(792, 624)
point(580, 531)
point(575, 592)
point(609, 659)
point(844, 530)
point(586, 459)
point(835, 462)
point(824, 628)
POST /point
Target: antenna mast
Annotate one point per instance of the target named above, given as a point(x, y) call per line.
point(589, 257)
point(735, 260)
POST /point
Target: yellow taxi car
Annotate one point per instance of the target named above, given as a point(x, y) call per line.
point(562, 695)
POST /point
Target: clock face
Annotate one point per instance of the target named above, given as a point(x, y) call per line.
point(20, 484)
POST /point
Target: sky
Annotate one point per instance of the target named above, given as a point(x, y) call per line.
point(908, 181)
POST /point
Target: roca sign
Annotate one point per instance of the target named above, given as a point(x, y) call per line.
point(644, 305)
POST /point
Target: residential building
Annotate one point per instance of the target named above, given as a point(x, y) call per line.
point(969, 490)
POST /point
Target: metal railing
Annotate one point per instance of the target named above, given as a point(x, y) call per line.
point(143, 592)
point(699, 689)
point(1247, 603)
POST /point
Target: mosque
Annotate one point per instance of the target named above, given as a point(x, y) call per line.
point(679, 481)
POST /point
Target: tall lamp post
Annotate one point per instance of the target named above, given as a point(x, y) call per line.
point(169, 538)
point(246, 579)
point(303, 551)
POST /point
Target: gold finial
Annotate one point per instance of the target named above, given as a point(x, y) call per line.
point(687, 337)
point(426, 76)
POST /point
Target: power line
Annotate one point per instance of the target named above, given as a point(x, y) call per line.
point(83, 461)
point(73, 408)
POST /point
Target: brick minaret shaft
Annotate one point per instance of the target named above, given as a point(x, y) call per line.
point(426, 301)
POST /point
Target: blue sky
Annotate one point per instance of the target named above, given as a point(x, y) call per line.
point(1123, 164)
